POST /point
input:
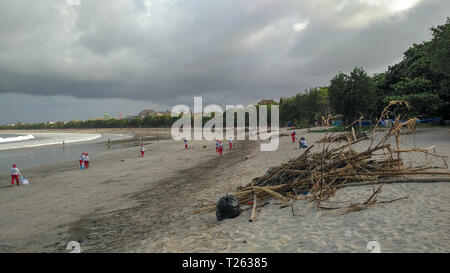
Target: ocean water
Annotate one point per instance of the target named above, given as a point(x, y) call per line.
point(8, 138)
point(37, 149)
point(14, 141)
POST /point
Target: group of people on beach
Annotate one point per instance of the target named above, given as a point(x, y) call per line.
point(84, 157)
point(301, 142)
point(17, 176)
point(84, 161)
point(220, 148)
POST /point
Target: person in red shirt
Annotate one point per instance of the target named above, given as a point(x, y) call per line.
point(81, 161)
point(220, 147)
point(293, 136)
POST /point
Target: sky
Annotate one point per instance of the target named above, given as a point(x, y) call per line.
point(61, 61)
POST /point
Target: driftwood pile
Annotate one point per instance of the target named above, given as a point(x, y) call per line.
point(323, 168)
point(346, 136)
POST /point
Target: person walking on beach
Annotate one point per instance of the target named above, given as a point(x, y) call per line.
point(86, 160)
point(220, 147)
point(81, 161)
point(293, 136)
point(15, 173)
point(185, 144)
point(231, 144)
point(142, 149)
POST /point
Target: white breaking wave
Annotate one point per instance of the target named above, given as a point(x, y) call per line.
point(44, 139)
point(14, 139)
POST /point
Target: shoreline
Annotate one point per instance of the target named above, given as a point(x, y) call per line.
point(92, 130)
point(57, 150)
point(147, 204)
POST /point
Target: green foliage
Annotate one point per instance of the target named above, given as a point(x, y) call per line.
point(440, 58)
point(304, 108)
point(440, 45)
point(426, 102)
point(352, 95)
point(422, 77)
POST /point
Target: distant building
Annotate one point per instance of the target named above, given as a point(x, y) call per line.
point(150, 112)
point(146, 113)
point(267, 102)
point(166, 113)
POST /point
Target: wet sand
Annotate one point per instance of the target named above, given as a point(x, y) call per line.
point(146, 205)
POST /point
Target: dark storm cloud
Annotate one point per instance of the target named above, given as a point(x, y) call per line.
point(168, 51)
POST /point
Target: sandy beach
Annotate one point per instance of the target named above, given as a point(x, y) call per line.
point(125, 203)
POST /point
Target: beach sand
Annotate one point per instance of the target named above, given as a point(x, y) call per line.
point(147, 204)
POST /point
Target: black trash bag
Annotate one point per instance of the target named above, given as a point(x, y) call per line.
point(227, 207)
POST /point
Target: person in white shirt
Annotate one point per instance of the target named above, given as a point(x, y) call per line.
point(302, 143)
point(15, 173)
point(142, 149)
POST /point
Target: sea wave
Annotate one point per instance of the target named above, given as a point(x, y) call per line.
point(44, 139)
point(16, 138)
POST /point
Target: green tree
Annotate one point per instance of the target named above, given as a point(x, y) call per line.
point(440, 59)
point(422, 77)
point(352, 95)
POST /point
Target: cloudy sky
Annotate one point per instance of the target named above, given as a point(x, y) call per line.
point(61, 61)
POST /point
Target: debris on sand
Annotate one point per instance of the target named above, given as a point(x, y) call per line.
point(320, 174)
point(227, 207)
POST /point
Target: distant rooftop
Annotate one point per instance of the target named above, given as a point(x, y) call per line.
point(151, 112)
point(267, 102)
point(146, 112)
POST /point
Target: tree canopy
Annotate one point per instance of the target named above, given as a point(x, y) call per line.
point(352, 95)
point(422, 78)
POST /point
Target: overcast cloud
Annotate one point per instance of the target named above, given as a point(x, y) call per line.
point(59, 61)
